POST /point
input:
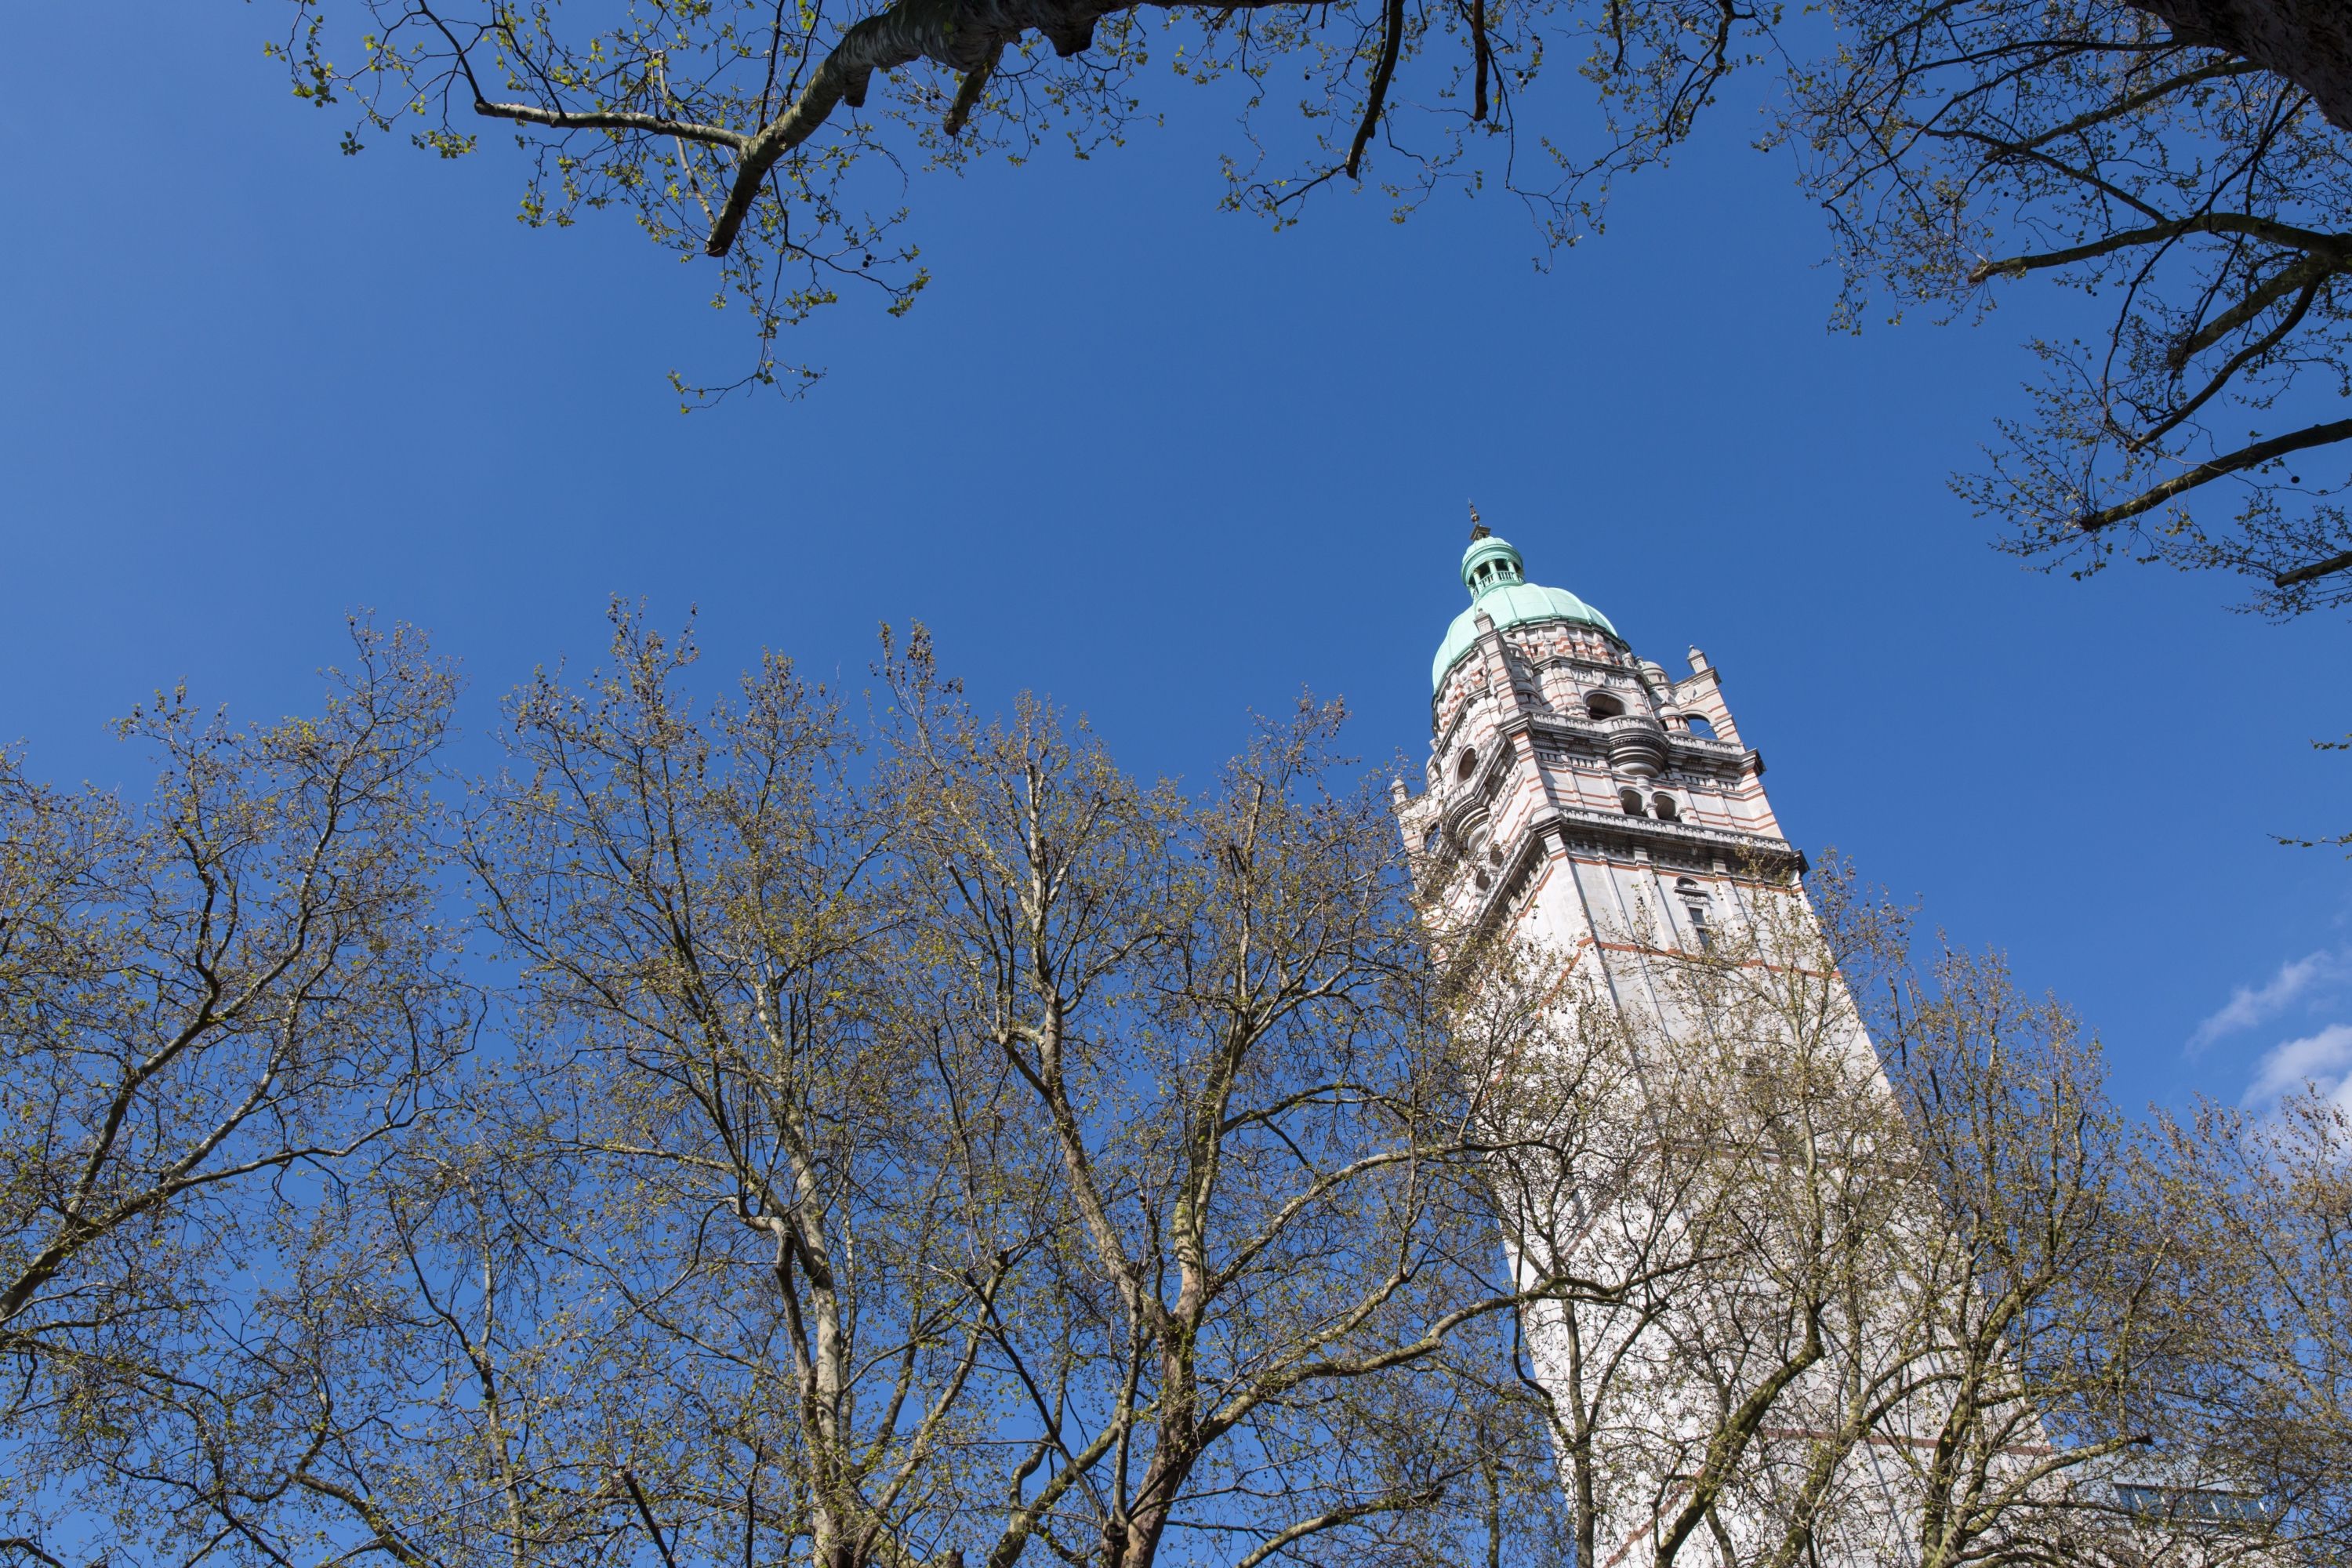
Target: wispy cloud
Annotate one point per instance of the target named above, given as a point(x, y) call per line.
point(2323, 1060)
point(2251, 1005)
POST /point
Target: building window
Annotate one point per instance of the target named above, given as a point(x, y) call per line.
point(1697, 724)
point(1666, 807)
point(2194, 1505)
point(1600, 705)
point(1695, 907)
point(1630, 800)
point(1466, 766)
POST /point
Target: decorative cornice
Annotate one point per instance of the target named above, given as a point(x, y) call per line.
point(1767, 850)
point(1571, 824)
point(1589, 734)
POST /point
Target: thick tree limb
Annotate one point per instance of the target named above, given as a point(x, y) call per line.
point(612, 120)
point(2221, 378)
point(2303, 274)
point(1392, 44)
point(2308, 42)
point(1484, 53)
point(565, 119)
point(1731, 1440)
point(388, 1539)
point(2244, 458)
point(646, 1514)
point(2317, 242)
point(2315, 571)
point(2122, 108)
point(964, 36)
point(968, 92)
point(1284, 1539)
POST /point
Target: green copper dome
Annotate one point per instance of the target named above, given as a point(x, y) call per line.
point(1498, 580)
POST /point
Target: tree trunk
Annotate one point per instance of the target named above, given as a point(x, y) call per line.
point(1176, 1450)
point(2309, 42)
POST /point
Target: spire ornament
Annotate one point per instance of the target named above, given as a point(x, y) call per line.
point(1477, 529)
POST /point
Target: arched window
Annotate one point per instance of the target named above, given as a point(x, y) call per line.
point(1466, 766)
point(1699, 725)
point(1632, 801)
point(1664, 805)
point(1600, 705)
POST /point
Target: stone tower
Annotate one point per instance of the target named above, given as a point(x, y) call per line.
point(1611, 812)
point(1555, 752)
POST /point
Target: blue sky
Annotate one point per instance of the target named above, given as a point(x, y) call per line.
point(1154, 460)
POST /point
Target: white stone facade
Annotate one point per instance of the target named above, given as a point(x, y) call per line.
point(1614, 814)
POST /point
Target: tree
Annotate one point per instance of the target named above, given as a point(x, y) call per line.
point(2197, 187)
point(215, 1006)
point(1807, 1363)
point(694, 1278)
point(907, 1140)
point(743, 131)
point(1256, 1132)
point(922, 1140)
point(1925, 1298)
point(2185, 157)
point(2252, 1398)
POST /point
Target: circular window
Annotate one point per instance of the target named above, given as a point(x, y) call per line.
point(1466, 766)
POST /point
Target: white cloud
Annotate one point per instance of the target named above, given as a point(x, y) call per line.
point(2323, 1060)
point(2249, 1006)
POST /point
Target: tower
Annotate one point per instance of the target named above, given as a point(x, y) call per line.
point(1585, 802)
point(1554, 748)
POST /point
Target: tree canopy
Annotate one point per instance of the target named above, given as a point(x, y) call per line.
point(745, 1131)
point(2182, 161)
